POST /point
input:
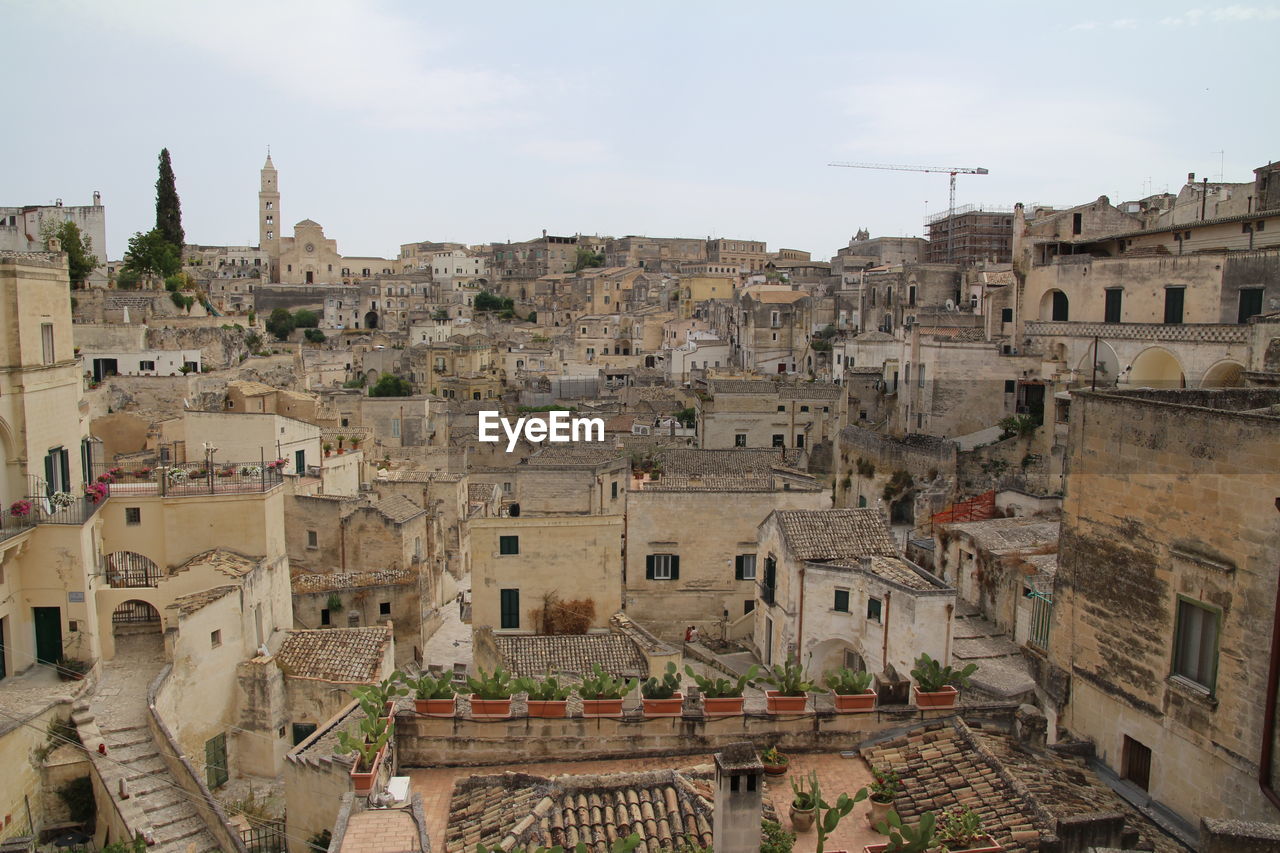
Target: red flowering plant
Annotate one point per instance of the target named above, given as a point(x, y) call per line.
point(20, 509)
point(96, 492)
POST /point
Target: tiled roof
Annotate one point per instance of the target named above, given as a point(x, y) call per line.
point(828, 534)
point(570, 654)
point(575, 454)
point(892, 569)
point(810, 391)
point(190, 603)
point(326, 582)
point(742, 386)
point(406, 476)
point(398, 508)
point(339, 655)
point(778, 296)
point(1019, 795)
point(481, 492)
point(1001, 535)
point(665, 807)
point(227, 562)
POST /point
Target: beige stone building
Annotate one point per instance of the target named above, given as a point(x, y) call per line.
point(746, 255)
point(834, 592)
point(1164, 602)
point(765, 413)
point(691, 536)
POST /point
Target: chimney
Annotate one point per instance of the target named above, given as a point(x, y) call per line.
point(739, 791)
point(1191, 177)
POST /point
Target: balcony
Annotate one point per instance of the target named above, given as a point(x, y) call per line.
point(767, 594)
point(191, 478)
point(1208, 333)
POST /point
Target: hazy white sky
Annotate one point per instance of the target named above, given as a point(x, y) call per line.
point(394, 122)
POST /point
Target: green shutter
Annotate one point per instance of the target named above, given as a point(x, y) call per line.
point(648, 567)
point(510, 607)
point(675, 567)
point(737, 568)
point(49, 486)
point(66, 470)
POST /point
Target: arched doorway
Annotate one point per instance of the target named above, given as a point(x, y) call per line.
point(1108, 370)
point(1054, 306)
point(129, 569)
point(1224, 374)
point(136, 629)
point(1156, 367)
point(371, 320)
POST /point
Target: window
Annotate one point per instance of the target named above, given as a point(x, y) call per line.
point(804, 408)
point(911, 295)
point(324, 616)
point(873, 609)
point(779, 440)
point(662, 567)
point(302, 731)
point(744, 567)
point(1077, 222)
point(146, 365)
point(782, 408)
point(1061, 307)
point(1114, 297)
point(508, 544)
point(133, 515)
point(740, 440)
point(1135, 763)
point(1195, 643)
point(395, 427)
point(748, 606)
point(509, 605)
point(614, 490)
point(506, 488)
point(1010, 386)
point(1174, 297)
point(800, 440)
point(215, 639)
point(1250, 303)
point(46, 342)
point(920, 375)
point(384, 608)
point(841, 604)
point(1006, 315)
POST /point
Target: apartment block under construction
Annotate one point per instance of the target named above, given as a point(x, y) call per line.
point(970, 234)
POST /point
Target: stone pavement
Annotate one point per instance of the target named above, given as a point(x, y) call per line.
point(380, 831)
point(119, 708)
point(1002, 670)
point(835, 775)
point(451, 643)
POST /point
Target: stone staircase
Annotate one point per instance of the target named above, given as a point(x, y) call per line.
point(1002, 673)
point(116, 717)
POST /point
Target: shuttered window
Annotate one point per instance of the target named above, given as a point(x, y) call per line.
point(744, 567)
point(509, 603)
point(662, 567)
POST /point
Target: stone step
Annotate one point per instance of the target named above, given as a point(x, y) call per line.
point(109, 731)
point(161, 801)
point(198, 835)
point(145, 768)
point(177, 823)
point(127, 754)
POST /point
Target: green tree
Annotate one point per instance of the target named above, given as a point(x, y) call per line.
point(486, 301)
point(168, 208)
point(79, 248)
point(281, 323)
point(687, 417)
point(306, 319)
point(315, 336)
point(587, 258)
point(390, 385)
point(152, 254)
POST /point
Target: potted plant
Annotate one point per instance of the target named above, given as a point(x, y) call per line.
point(791, 690)
point(369, 745)
point(490, 693)
point(95, 492)
point(433, 697)
point(328, 448)
point(720, 696)
point(883, 788)
point(251, 471)
point(937, 685)
point(61, 500)
point(602, 693)
point(662, 698)
point(355, 442)
point(803, 804)
point(73, 669)
point(20, 508)
point(227, 471)
point(379, 699)
point(851, 691)
point(548, 698)
point(827, 817)
point(775, 762)
point(903, 838)
point(960, 831)
point(341, 440)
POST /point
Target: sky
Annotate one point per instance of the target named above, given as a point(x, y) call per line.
point(395, 122)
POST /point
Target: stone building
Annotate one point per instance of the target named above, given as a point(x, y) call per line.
point(691, 535)
point(1165, 593)
point(770, 329)
point(746, 255)
point(970, 234)
point(765, 413)
point(834, 592)
point(22, 229)
point(654, 254)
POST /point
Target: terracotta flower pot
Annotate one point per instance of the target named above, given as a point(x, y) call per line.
point(363, 781)
point(490, 707)
point(944, 698)
point(548, 708)
point(722, 706)
point(602, 707)
point(436, 707)
point(981, 844)
point(855, 702)
point(801, 819)
point(663, 707)
point(776, 769)
point(776, 703)
point(879, 814)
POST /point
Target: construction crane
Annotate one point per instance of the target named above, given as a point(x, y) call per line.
point(950, 170)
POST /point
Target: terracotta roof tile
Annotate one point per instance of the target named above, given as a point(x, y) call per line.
point(828, 534)
point(339, 655)
point(570, 654)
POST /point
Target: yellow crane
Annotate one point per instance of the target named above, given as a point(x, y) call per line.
point(950, 170)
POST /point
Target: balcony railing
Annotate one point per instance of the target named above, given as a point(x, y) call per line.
point(766, 594)
point(191, 478)
point(1214, 333)
point(11, 525)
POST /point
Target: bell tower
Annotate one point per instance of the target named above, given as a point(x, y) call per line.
point(269, 217)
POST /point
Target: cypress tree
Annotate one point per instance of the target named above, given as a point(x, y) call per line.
point(168, 208)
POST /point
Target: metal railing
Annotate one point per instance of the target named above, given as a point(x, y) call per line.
point(1041, 620)
point(191, 478)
